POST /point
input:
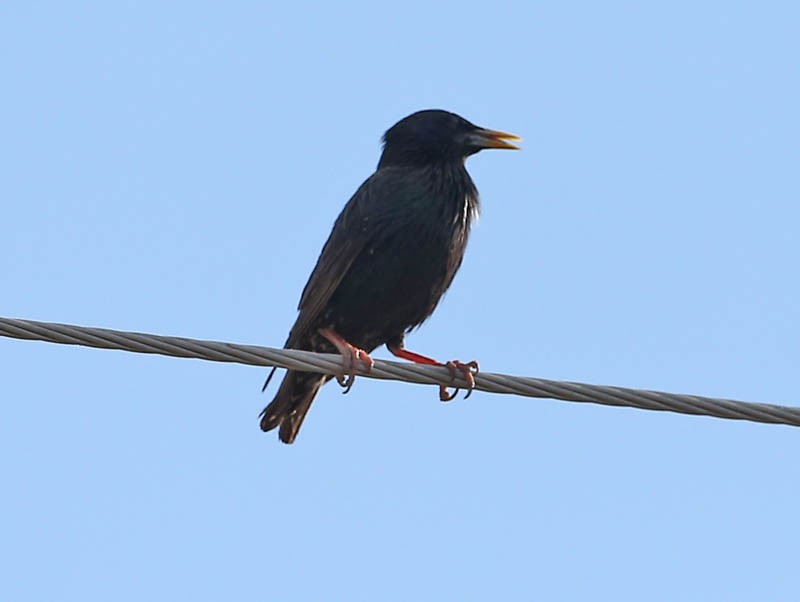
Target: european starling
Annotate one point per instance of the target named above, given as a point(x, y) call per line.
point(392, 254)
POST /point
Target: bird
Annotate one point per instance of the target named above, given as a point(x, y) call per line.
point(391, 255)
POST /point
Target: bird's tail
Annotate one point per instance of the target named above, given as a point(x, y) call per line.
point(291, 403)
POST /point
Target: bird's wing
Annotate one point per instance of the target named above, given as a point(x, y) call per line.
point(349, 236)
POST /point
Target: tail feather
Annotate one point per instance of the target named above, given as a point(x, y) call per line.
point(291, 403)
point(269, 378)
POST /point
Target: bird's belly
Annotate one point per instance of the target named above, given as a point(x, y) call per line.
point(393, 287)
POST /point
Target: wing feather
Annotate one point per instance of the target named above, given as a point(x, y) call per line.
point(378, 207)
point(346, 241)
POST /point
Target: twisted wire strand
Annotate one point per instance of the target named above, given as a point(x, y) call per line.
point(415, 373)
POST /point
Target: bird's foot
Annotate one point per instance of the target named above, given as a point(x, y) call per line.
point(468, 370)
point(351, 355)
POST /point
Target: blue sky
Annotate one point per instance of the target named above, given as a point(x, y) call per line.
point(175, 168)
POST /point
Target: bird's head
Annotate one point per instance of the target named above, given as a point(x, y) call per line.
point(435, 136)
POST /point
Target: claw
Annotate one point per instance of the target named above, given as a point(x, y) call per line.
point(355, 355)
point(468, 371)
point(444, 395)
point(351, 355)
point(345, 381)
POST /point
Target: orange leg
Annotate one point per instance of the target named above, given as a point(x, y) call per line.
point(468, 370)
point(351, 355)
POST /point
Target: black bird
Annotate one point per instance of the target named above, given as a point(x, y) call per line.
point(392, 254)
